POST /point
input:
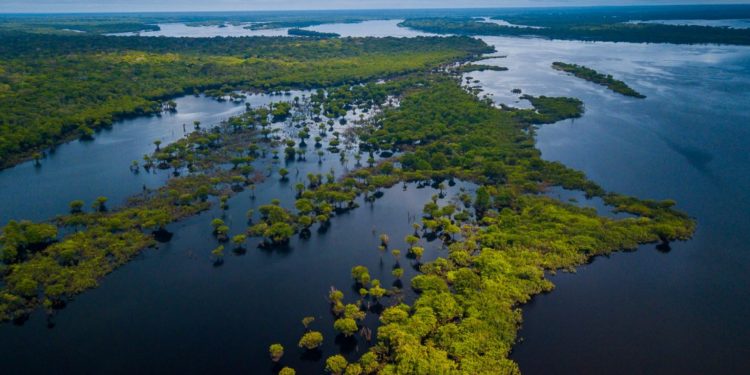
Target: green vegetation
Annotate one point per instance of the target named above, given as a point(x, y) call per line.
point(466, 316)
point(592, 75)
point(47, 270)
point(61, 25)
point(468, 68)
point(311, 33)
point(604, 32)
point(276, 351)
point(311, 340)
point(38, 268)
point(500, 241)
point(57, 87)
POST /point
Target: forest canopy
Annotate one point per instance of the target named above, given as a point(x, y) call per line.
point(57, 87)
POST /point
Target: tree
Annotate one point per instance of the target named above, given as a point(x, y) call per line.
point(347, 326)
point(336, 364)
point(239, 240)
point(27, 287)
point(76, 206)
point(216, 224)
point(311, 340)
point(283, 172)
point(218, 253)
point(353, 369)
point(361, 275)
point(376, 291)
point(279, 233)
point(417, 252)
point(99, 204)
point(384, 239)
point(411, 240)
point(397, 273)
point(276, 351)
point(287, 371)
point(157, 143)
point(306, 321)
point(369, 363)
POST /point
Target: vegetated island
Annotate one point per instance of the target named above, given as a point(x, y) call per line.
point(604, 32)
point(592, 75)
point(468, 68)
point(311, 33)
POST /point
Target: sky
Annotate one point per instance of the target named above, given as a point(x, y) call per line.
point(71, 6)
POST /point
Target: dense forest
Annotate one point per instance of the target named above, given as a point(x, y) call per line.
point(603, 32)
point(56, 87)
point(592, 75)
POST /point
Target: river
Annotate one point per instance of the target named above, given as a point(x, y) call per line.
point(647, 311)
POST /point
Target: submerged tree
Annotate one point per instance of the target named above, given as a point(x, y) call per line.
point(311, 340)
point(336, 364)
point(276, 351)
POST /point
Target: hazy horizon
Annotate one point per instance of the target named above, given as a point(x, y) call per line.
point(142, 6)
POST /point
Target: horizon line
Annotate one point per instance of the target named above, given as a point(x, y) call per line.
point(374, 9)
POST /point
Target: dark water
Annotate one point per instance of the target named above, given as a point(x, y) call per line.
point(172, 311)
point(642, 312)
point(89, 169)
point(647, 312)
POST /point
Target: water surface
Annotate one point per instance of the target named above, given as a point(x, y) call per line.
point(88, 169)
point(646, 312)
point(649, 311)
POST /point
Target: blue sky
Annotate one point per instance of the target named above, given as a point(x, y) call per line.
point(43, 6)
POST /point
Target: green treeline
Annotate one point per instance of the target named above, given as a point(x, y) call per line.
point(603, 32)
point(311, 33)
point(468, 68)
point(592, 75)
point(57, 87)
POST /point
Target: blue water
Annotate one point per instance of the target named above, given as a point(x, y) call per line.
point(648, 311)
point(643, 312)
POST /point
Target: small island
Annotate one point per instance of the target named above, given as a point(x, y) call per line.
point(592, 75)
point(467, 68)
point(311, 33)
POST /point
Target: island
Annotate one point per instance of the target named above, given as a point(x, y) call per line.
point(592, 75)
point(311, 33)
point(468, 68)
